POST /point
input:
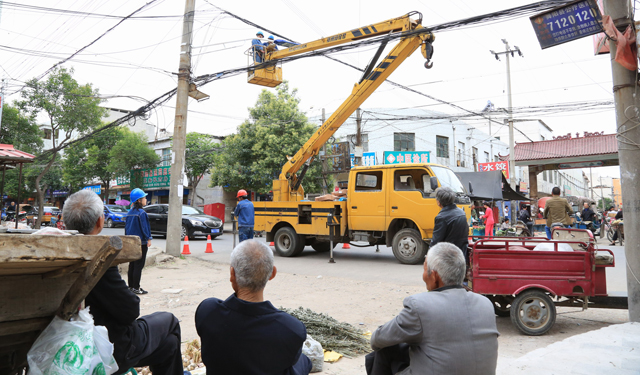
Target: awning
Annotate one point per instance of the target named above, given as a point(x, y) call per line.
point(489, 186)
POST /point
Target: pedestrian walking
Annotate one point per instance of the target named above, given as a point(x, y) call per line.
point(245, 214)
point(137, 224)
point(489, 221)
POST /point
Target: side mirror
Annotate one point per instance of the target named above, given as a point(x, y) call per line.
point(470, 188)
point(434, 183)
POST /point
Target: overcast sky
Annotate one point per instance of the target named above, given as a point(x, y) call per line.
point(138, 58)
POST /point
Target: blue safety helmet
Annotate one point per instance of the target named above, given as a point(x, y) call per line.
point(137, 194)
point(260, 33)
point(271, 37)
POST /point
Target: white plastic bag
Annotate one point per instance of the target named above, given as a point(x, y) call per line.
point(312, 349)
point(74, 347)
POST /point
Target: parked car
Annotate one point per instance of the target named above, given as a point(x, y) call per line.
point(114, 215)
point(194, 221)
point(48, 213)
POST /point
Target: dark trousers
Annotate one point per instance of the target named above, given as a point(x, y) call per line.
point(245, 233)
point(161, 350)
point(387, 361)
point(135, 269)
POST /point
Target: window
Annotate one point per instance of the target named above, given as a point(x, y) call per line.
point(495, 158)
point(544, 176)
point(166, 157)
point(486, 157)
point(442, 147)
point(404, 142)
point(409, 180)
point(47, 134)
point(364, 138)
point(368, 181)
point(474, 153)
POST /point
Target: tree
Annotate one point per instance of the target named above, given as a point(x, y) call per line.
point(254, 156)
point(199, 158)
point(71, 109)
point(607, 203)
point(90, 160)
point(131, 152)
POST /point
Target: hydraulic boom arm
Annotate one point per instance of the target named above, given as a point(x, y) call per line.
point(287, 187)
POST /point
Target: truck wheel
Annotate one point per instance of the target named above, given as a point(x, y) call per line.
point(322, 246)
point(501, 304)
point(533, 312)
point(408, 246)
point(288, 243)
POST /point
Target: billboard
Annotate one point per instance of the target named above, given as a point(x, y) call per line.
point(399, 157)
point(495, 166)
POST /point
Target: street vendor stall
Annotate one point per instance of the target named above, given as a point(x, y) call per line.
point(42, 276)
point(9, 159)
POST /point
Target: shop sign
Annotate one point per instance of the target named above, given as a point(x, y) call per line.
point(158, 177)
point(368, 159)
point(495, 166)
point(567, 23)
point(60, 193)
point(414, 157)
point(95, 188)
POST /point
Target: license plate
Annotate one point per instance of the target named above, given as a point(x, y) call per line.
point(215, 230)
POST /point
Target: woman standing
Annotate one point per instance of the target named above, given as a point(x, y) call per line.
point(137, 224)
point(489, 222)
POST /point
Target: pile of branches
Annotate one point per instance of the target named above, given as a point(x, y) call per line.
point(332, 334)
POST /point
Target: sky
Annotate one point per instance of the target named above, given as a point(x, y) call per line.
point(137, 60)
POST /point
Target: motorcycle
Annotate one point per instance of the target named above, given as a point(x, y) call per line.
point(522, 230)
point(616, 226)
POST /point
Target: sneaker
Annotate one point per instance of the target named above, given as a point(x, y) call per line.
point(138, 291)
point(142, 291)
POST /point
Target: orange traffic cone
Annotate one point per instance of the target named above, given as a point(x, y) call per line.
point(209, 247)
point(185, 248)
point(346, 245)
point(271, 244)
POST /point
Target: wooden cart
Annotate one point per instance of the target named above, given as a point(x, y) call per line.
point(44, 276)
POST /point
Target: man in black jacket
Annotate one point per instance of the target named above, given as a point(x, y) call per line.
point(152, 340)
point(451, 223)
point(587, 213)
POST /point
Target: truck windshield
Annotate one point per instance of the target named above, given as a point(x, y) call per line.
point(449, 179)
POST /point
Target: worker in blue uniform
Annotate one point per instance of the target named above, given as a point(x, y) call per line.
point(245, 214)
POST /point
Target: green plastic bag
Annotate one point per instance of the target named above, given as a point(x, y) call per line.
point(75, 347)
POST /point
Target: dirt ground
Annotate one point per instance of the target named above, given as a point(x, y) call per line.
point(363, 304)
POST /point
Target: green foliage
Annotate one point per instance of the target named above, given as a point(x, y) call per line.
point(254, 156)
point(19, 130)
point(607, 203)
point(131, 152)
point(198, 159)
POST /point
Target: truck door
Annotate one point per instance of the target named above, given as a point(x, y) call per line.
point(366, 202)
point(411, 198)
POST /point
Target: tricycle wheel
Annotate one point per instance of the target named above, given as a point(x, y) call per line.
point(408, 246)
point(501, 304)
point(533, 312)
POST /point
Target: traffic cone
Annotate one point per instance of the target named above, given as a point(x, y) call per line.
point(346, 245)
point(185, 248)
point(271, 244)
point(209, 247)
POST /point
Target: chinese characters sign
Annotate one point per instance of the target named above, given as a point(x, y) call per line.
point(368, 159)
point(567, 23)
point(155, 178)
point(95, 188)
point(495, 166)
point(399, 157)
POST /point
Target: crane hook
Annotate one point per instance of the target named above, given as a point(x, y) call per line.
point(428, 64)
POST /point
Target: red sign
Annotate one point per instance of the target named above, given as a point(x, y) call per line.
point(495, 166)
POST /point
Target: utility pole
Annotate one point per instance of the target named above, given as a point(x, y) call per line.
point(358, 150)
point(512, 157)
point(626, 105)
point(601, 193)
point(453, 159)
point(176, 188)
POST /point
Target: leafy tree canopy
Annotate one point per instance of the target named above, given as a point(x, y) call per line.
point(199, 157)
point(131, 152)
point(253, 158)
point(20, 130)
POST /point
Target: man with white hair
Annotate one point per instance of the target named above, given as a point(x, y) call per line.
point(446, 330)
point(151, 340)
point(246, 334)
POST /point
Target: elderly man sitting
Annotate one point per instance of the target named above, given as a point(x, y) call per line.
point(152, 340)
point(245, 334)
point(444, 331)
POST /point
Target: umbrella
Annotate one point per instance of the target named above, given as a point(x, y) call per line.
point(122, 202)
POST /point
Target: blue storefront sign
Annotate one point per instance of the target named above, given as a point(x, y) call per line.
point(400, 157)
point(60, 193)
point(368, 159)
point(567, 23)
point(95, 188)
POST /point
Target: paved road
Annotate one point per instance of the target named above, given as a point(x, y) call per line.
point(363, 264)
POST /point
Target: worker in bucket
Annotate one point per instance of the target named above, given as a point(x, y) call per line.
point(257, 45)
point(245, 214)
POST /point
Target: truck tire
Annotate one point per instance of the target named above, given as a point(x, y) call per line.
point(408, 246)
point(533, 312)
point(288, 243)
point(322, 246)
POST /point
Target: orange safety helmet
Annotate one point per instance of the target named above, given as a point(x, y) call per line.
point(241, 193)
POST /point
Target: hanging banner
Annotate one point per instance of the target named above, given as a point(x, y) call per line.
point(495, 166)
point(567, 23)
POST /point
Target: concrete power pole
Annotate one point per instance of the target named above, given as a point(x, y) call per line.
point(626, 105)
point(176, 189)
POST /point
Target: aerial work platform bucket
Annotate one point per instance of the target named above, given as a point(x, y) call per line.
point(269, 75)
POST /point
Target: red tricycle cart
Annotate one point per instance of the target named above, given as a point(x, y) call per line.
point(527, 278)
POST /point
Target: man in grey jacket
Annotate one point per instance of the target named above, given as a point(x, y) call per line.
point(446, 331)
